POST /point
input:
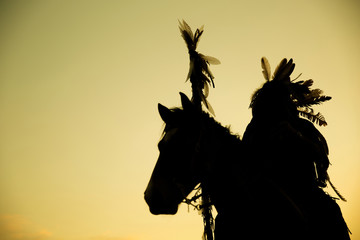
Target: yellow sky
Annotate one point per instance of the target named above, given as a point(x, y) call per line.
point(79, 87)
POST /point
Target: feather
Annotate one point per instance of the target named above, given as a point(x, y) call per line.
point(284, 70)
point(308, 83)
point(207, 105)
point(198, 34)
point(297, 77)
point(185, 28)
point(211, 60)
point(206, 70)
point(311, 116)
point(266, 68)
point(206, 90)
point(210, 108)
point(279, 67)
point(211, 76)
point(315, 93)
point(287, 70)
point(187, 35)
point(308, 100)
point(199, 73)
point(191, 68)
point(336, 191)
point(321, 99)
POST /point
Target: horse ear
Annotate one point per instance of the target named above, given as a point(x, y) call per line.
point(185, 102)
point(164, 112)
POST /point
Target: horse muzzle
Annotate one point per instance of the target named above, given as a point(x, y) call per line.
point(160, 203)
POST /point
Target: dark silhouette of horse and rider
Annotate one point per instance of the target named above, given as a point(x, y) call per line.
point(267, 184)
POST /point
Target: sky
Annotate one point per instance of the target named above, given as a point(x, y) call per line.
point(79, 86)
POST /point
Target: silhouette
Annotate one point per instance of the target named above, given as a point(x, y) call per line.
point(267, 185)
point(290, 157)
point(199, 73)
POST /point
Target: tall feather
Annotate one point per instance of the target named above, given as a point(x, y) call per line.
point(266, 68)
point(280, 67)
point(284, 70)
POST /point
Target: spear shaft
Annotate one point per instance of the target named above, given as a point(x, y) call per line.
point(200, 77)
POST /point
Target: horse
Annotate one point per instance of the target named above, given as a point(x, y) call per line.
point(196, 149)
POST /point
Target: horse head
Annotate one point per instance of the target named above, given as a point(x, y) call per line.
point(175, 173)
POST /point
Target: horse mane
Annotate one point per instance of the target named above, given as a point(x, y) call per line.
point(193, 118)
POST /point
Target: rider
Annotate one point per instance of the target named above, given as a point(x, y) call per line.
point(290, 155)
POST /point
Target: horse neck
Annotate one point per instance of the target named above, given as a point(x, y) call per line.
point(220, 153)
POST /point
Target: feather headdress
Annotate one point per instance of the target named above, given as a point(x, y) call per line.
point(199, 73)
point(301, 98)
point(301, 94)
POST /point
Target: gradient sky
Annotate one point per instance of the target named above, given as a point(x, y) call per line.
point(79, 87)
